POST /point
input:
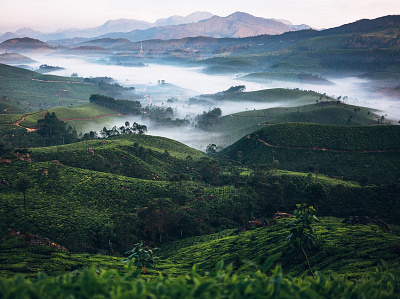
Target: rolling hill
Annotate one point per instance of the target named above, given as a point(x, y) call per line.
point(25, 44)
point(35, 91)
point(366, 154)
point(138, 156)
point(237, 125)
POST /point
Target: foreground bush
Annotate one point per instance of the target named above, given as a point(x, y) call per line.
point(221, 283)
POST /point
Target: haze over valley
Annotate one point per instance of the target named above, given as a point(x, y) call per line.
point(203, 154)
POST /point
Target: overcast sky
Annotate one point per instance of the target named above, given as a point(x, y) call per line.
point(51, 15)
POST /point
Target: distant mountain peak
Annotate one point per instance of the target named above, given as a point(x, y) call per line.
point(26, 31)
point(178, 20)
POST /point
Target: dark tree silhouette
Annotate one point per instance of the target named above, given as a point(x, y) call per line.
point(23, 183)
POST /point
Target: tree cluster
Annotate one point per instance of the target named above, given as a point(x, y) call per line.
point(121, 106)
point(124, 130)
point(54, 131)
point(208, 120)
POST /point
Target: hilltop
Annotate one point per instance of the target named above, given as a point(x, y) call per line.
point(25, 44)
point(14, 58)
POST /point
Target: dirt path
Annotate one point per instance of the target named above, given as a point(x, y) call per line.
point(324, 149)
point(18, 123)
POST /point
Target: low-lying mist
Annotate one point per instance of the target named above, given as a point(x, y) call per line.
point(188, 135)
point(182, 83)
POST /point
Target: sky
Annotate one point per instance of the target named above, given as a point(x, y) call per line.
point(51, 15)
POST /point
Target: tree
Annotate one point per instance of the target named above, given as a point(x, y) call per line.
point(55, 131)
point(142, 256)
point(302, 232)
point(211, 149)
point(210, 170)
point(23, 184)
point(236, 89)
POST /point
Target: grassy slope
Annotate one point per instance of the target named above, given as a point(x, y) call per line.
point(237, 125)
point(80, 111)
point(17, 257)
point(121, 156)
point(363, 138)
point(293, 96)
point(23, 85)
point(378, 167)
point(344, 249)
point(74, 207)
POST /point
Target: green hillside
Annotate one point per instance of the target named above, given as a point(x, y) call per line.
point(237, 125)
point(351, 250)
point(139, 156)
point(36, 91)
point(70, 212)
point(8, 107)
point(291, 96)
point(369, 154)
point(341, 138)
point(72, 115)
point(344, 249)
point(95, 212)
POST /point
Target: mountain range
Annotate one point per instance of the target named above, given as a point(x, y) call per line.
point(382, 34)
point(196, 24)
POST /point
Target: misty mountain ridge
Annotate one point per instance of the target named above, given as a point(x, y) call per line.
point(118, 25)
point(177, 20)
point(236, 25)
point(242, 25)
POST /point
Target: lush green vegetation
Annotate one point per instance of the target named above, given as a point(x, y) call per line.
point(47, 91)
point(294, 96)
point(122, 106)
point(342, 249)
point(78, 209)
point(138, 156)
point(340, 138)
point(358, 153)
point(220, 283)
point(237, 125)
point(71, 114)
point(351, 250)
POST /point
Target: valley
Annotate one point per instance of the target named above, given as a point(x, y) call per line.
point(208, 150)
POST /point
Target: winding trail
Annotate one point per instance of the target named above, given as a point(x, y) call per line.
point(325, 149)
point(18, 122)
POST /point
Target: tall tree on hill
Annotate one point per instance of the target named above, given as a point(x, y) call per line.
point(302, 232)
point(23, 183)
point(55, 131)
